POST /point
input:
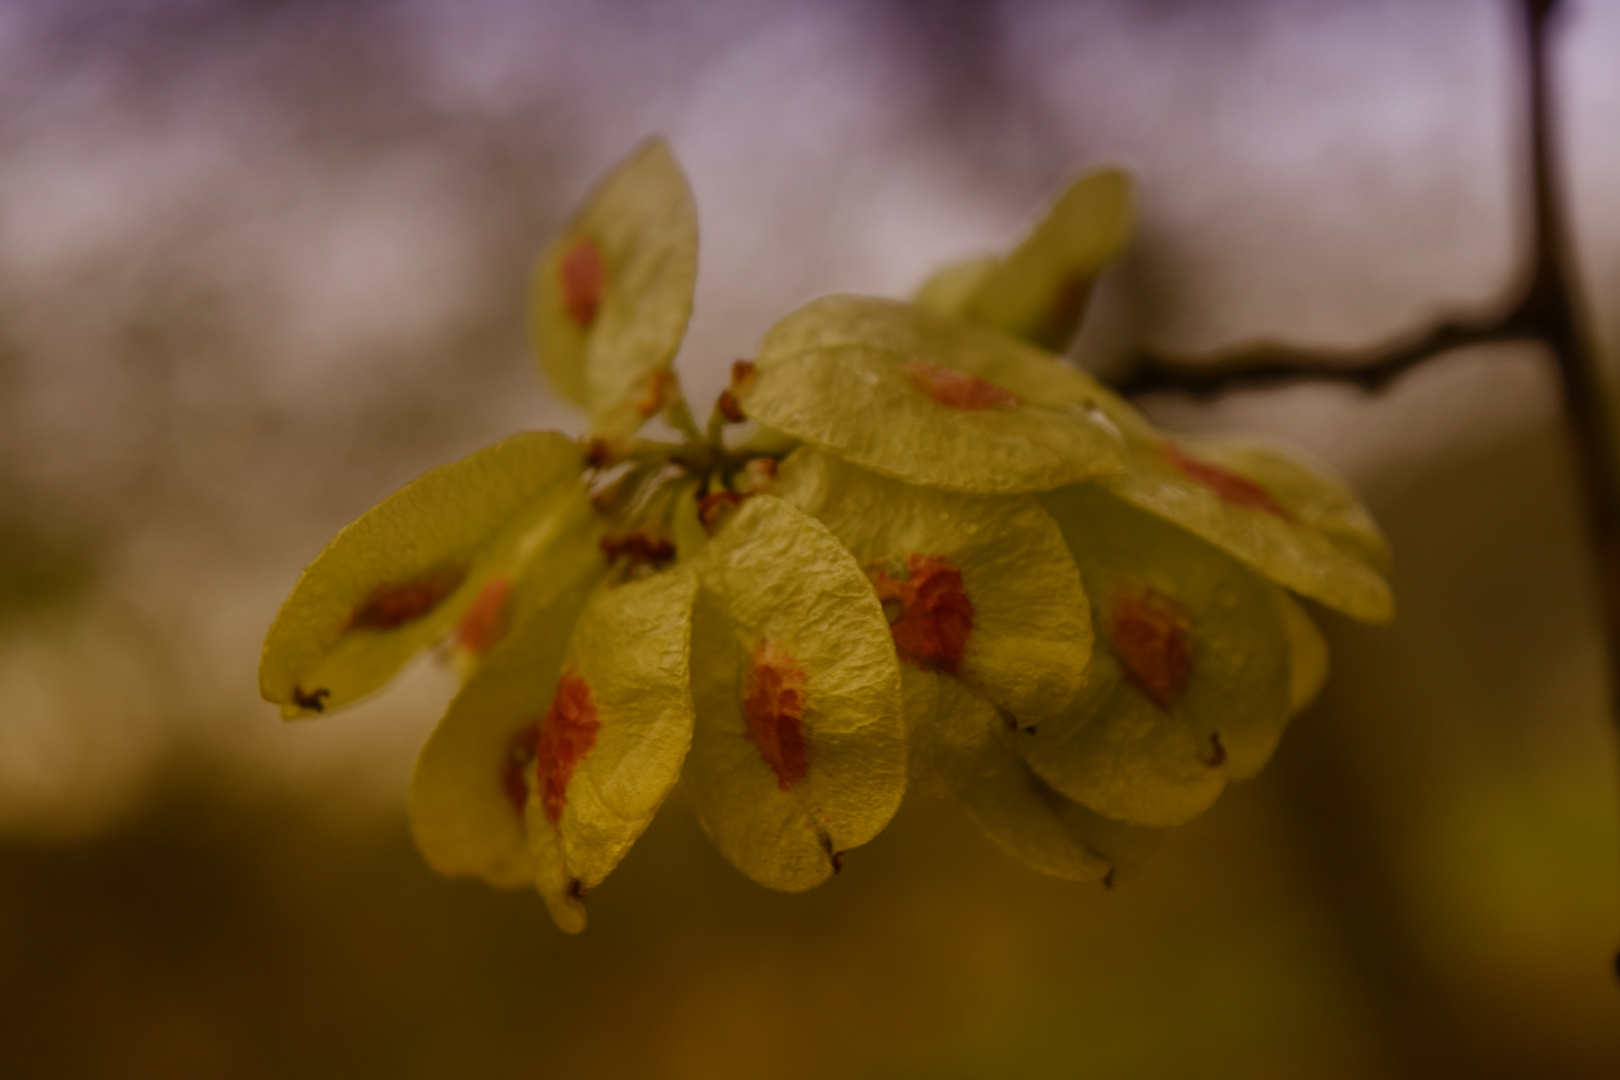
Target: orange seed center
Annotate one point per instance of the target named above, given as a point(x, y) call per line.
point(567, 733)
point(955, 389)
point(1149, 633)
point(929, 612)
point(582, 278)
point(773, 710)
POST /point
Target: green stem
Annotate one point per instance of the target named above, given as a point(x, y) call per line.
point(679, 415)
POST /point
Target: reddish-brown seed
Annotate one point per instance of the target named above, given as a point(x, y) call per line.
point(713, 508)
point(931, 616)
point(955, 389)
point(602, 453)
point(1148, 631)
point(1230, 487)
point(729, 408)
point(581, 275)
point(484, 624)
point(657, 391)
point(393, 605)
point(567, 733)
point(638, 549)
point(773, 711)
point(742, 375)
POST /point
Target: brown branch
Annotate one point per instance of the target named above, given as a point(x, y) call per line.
point(1269, 366)
point(1555, 307)
point(1541, 310)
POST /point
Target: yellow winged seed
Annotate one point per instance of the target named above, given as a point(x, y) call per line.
point(528, 575)
point(1038, 291)
point(981, 589)
point(1189, 682)
point(556, 754)
point(469, 789)
point(1308, 654)
point(968, 750)
point(947, 290)
point(1308, 491)
point(935, 401)
point(611, 744)
point(1318, 546)
point(401, 576)
point(612, 295)
point(799, 752)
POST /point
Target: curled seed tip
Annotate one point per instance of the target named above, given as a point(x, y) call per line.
point(1217, 751)
point(315, 702)
point(834, 857)
point(576, 890)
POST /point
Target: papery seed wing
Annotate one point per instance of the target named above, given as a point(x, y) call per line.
point(799, 752)
point(1038, 292)
point(612, 296)
point(611, 745)
point(1250, 517)
point(1307, 490)
point(401, 576)
point(981, 589)
point(931, 400)
point(1308, 654)
point(1189, 680)
point(969, 751)
point(472, 782)
point(527, 573)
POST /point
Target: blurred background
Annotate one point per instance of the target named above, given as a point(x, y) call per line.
point(263, 261)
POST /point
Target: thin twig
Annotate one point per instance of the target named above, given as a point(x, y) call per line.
point(1539, 309)
point(1267, 366)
